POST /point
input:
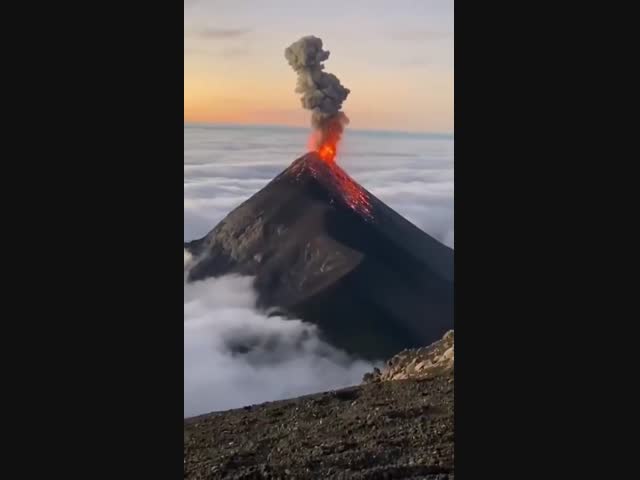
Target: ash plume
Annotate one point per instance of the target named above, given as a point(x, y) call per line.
point(322, 92)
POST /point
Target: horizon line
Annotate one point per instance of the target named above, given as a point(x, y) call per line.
point(296, 127)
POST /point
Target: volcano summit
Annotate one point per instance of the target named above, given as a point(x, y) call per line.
point(325, 250)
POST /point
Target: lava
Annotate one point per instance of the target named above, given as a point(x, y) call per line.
point(327, 146)
point(352, 193)
point(327, 153)
point(324, 142)
point(343, 186)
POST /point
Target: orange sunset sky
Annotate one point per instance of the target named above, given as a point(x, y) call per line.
point(396, 57)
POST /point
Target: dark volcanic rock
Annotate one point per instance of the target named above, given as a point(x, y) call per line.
point(384, 430)
point(325, 250)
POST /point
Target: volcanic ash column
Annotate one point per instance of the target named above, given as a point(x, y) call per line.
point(322, 93)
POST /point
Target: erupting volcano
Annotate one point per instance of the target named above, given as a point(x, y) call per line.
point(341, 184)
point(322, 93)
point(325, 250)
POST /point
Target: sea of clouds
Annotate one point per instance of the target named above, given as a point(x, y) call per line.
point(235, 355)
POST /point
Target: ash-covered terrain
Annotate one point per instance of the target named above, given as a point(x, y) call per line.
point(384, 428)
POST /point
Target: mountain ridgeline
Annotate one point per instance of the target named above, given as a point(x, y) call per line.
point(325, 250)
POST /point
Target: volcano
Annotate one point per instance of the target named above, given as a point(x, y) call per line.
point(325, 250)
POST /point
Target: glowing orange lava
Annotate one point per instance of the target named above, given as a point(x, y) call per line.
point(327, 153)
point(326, 147)
point(352, 193)
point(325, 141)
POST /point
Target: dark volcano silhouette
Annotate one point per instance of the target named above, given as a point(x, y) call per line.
point(325, 250)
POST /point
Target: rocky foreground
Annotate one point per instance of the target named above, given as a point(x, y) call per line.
point(418, 363)
point(398, 424)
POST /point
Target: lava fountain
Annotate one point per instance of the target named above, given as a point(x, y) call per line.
point(325, 141)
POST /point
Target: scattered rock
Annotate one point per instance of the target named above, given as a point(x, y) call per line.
point(418, 363)
point(384, 435)
point(380, 429)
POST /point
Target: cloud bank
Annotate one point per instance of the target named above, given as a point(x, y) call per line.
point(413, 174)
point(215, 33)
point(236, 356)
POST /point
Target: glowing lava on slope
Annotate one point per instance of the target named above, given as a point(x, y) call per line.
point(356, 197)
point(352, 193)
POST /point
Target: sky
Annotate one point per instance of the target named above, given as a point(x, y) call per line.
point(396, 57)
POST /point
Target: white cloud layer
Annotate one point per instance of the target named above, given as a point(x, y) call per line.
point(235, 355)
point(411, 173)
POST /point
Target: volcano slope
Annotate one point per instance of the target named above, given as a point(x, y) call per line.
point(325, 250)
point(398, 424)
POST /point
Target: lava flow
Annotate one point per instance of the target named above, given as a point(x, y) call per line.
point(352, 193)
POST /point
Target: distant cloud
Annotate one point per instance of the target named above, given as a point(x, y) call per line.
point(235, 355)
point(222, 33)
point(233, 52)
point(229, 53)
point(228, 43)
point(422, 35)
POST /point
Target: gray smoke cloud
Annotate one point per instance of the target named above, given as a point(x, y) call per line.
point(322, 92)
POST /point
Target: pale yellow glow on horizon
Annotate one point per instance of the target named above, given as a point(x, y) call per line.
point(391, 103)
point(256, 90)
point(397, 58)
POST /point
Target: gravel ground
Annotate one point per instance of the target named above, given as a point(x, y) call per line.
point(381, 430)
